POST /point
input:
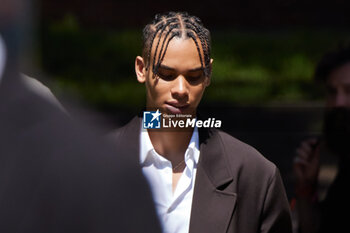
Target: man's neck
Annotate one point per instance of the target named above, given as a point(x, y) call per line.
point(171, 144)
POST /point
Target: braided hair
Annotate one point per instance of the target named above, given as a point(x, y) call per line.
point(165, 27)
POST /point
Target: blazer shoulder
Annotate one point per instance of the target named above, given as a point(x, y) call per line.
point(116, 133)
point(239, 153)
point(126, 132)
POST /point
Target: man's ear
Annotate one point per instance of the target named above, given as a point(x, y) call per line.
point(140, 69)
point(210, 70)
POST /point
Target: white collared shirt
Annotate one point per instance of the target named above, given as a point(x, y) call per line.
point(2, 57)
point(174, 209)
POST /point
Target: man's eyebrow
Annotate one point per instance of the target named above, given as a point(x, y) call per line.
point(166, 67)
point(196, 69)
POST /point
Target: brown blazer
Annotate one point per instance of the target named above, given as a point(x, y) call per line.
point(237, 190)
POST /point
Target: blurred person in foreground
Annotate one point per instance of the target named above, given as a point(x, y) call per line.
point(56, 175)
point(203, 180)
point(327, 215)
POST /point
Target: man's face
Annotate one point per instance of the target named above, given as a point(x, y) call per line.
point(338, 87)
point(180, 83)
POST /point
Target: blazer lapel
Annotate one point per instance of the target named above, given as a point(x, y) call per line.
point(128, 138)
point(213, 199)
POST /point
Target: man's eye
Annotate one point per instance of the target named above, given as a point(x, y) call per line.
point(166, 77)
point(194, 78)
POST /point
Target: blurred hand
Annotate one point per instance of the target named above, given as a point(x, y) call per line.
point(306, 168)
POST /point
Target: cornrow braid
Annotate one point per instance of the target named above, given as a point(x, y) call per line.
point(170, 29)
point(167, 26)
point(191, 35)
point(204, 43)
point(204, 37)
point(161, 57)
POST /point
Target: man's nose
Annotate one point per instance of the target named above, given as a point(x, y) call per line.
point(179, 89)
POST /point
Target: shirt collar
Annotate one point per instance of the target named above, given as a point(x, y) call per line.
point(2, 57)
point(194, 144)
point(146, 145)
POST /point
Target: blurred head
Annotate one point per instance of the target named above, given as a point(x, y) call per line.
point(10, 11)
point(15, 28)
point(334, 71)
point(175, 64)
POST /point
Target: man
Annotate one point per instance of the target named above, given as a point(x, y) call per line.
point(57, 175)
point(203, 180)
point(315, 215)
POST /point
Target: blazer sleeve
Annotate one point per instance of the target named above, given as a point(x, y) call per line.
point(276, 216)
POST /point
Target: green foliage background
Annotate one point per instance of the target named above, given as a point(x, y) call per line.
point(250, 67)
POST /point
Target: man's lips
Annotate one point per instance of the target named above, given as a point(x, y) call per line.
point(175, 107)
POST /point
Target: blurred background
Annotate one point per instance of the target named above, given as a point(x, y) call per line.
point(264, 56)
